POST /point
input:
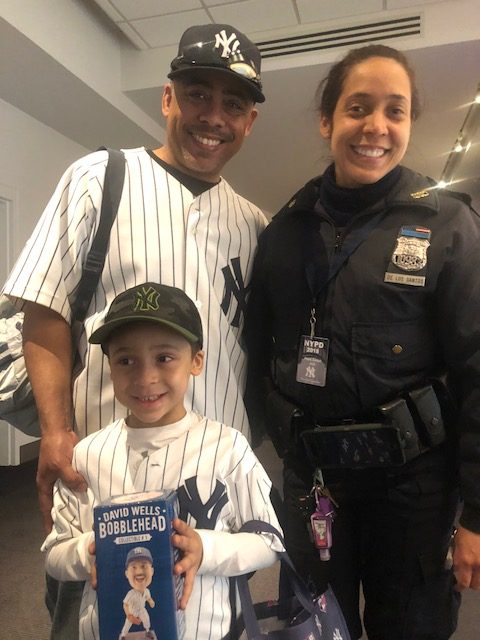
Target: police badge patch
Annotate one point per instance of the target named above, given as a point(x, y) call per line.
point(409, 255)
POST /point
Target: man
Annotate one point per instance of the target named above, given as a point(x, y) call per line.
point(178, 223)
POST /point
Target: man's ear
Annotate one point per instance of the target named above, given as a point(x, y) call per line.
point(167, 97)
point(252, 118)
point(325, 127)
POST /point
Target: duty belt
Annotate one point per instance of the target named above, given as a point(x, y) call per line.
point(403, 429)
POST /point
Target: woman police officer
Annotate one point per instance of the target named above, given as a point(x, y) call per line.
point(365, 299)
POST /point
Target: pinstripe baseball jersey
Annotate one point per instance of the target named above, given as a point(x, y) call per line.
point(220, 485)
point(162, 233)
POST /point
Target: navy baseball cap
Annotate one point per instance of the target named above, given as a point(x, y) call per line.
point(138, 553)
point(223, 48)
point(152, 302)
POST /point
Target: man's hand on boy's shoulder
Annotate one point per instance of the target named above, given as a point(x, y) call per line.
point(55, 461)
point(190, 544)
point(47, 348)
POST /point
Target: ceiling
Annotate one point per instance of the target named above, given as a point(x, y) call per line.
point(299, 40)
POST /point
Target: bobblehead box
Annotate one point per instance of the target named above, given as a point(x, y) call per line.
point(136, 587)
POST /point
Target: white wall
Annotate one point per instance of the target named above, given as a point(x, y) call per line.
point(32, 159)
point(72, 35)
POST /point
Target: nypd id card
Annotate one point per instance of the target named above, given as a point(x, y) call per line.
point(312, 360)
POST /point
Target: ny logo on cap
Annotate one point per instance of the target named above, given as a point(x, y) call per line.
point(146, 300)
point(222, 40)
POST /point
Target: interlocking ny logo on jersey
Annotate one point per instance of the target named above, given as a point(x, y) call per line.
point(222, 40)
point(146, 300)
point(234, 286)
point(205, 513)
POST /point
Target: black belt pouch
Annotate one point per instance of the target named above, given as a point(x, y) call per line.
point(284, 420)
point(354, 446)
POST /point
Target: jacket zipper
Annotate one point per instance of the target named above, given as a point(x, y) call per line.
point(339, 236)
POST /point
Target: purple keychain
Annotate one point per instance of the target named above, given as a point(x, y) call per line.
point(321, 521)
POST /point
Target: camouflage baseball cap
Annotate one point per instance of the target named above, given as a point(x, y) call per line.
point(152, 302)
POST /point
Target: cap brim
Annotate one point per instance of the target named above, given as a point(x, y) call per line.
point(253, 89)
point(102, 334)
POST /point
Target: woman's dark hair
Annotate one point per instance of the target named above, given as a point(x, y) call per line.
point(331, 87)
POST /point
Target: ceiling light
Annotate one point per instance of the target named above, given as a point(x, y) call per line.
point(463, 142)
point(477, 95)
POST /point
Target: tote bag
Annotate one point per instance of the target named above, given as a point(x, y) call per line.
point(302, 617)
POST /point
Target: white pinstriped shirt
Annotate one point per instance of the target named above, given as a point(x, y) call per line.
point(162, 233)
point(111, 461)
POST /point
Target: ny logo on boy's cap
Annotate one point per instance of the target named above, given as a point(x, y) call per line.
point(146, 299)
point(152, 302)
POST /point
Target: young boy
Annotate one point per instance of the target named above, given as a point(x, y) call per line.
point(152, 337)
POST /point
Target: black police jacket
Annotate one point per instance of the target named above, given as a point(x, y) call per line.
point(404, 305)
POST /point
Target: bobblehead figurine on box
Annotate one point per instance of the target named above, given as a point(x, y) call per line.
point(139, 573)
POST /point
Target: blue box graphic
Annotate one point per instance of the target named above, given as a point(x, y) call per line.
point(137, 590)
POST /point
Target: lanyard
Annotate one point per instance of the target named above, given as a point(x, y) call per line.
point(318, 277)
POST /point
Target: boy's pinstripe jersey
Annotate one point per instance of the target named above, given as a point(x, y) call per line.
point(220, 485)
point(162, 233)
